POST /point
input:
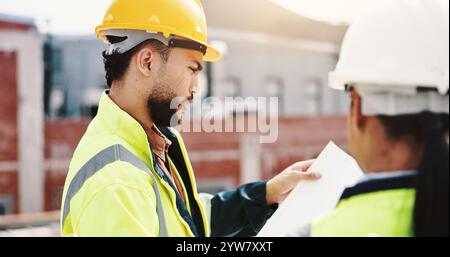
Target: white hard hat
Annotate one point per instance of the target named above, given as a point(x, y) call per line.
point(391, 52)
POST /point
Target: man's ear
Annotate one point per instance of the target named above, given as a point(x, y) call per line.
point(356, 113)
point(144, 58)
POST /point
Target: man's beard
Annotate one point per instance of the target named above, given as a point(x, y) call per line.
point(160, 110)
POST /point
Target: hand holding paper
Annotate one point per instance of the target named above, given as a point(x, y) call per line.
point(279, 187)
point(311, 199)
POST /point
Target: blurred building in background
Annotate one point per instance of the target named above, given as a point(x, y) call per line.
point(50, 87)
point(21, 116)
point(75, 78)
point(268, 51)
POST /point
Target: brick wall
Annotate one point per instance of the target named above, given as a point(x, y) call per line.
point(15, 26)
point(214, 156)
point(61, 139)
point(8, 127)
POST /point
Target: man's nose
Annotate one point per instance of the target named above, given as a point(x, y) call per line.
point(194, 86)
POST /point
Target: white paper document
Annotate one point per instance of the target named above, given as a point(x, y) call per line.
point(311, 199)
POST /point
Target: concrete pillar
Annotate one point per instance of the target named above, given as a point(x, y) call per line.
point(250, 150)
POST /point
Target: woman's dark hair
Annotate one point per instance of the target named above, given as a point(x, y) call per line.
point(117, 64)
point(431, 210)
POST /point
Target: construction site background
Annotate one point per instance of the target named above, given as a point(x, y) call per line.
point(50, 85)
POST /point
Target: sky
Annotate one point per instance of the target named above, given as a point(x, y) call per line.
point(332, 11)
point(81, 16)
point(59, 16)
point(336, 12)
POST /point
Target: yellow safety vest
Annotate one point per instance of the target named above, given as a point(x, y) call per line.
point(113, 189)
point(382, 207)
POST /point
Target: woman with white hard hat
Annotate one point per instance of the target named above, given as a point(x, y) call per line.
point(395, 64)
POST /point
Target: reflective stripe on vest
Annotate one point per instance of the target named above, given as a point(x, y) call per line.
point(109, 155)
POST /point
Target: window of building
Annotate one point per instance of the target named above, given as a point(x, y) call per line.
point(313, 97)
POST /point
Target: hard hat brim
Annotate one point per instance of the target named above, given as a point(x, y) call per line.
point(211, 55)
point(339, 80)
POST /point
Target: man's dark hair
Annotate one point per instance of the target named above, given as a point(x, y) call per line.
point(116, 64)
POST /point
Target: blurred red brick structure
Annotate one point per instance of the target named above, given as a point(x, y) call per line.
point(61, 139)
point(15, 26)
point(214, 156)
point(17, 34)
point(8, 126)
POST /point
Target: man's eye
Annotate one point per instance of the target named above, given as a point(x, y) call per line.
point(193, 69)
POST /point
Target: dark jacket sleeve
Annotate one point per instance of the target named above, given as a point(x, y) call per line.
point(241, 212)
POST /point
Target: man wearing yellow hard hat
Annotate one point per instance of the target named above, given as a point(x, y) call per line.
point(130, 174)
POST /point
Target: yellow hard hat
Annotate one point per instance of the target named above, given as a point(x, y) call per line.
point(183, 18)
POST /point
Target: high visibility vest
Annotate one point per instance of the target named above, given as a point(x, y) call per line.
point(115, 188)
point(382, 207)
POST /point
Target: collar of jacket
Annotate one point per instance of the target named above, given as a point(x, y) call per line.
point(118, 122)
point(381, 183)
